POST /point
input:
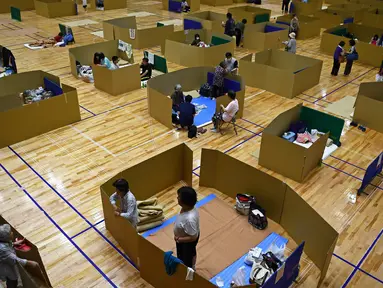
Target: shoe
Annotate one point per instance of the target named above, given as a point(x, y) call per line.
point(213, 130)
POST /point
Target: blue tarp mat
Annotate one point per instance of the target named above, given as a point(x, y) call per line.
point(205, 115)
point(227, 274)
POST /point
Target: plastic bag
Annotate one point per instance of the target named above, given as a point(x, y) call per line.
point(278, 251)
point(239, 277)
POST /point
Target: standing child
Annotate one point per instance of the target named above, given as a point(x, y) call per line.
point(338, 58)
point(85, 4)
point(350, 57)
point(291, 45)
point(239, 31)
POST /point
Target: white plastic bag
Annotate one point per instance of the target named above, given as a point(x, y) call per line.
point(278, 251)
point(239, 277)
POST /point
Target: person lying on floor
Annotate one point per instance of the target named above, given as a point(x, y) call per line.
point(128, 203)
point(227, 113)
point(53, 41)
point(177, 98)
point(146, 69)
point(186, 227)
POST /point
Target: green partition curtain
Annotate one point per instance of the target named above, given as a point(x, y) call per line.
point(15, 14)
point(159, 62)
point(262, 18)
point(218, 41)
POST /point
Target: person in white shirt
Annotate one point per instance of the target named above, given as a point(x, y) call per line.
point(231, 64)
point(114, 64)
point(227, 113)
point(379, 76)
point(186, 227)
point(128, 203)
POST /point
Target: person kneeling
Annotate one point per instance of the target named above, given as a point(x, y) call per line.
point(128, 203)
point(227, 113)
point(186, 112)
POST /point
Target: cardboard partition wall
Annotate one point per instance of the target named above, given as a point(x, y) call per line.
point(161, 87)
point(306, 8)
point(373, 17)
point(332, 19)
point(165, 169)
point(177, 48)
point(368, 54)
point(23, 5)
point(125, 29)
point(308, 26)
point(252, 14)
point(42, 116)
point(31, 278)
point(205, 20)
point(217, 2)
point(55, 8)
point(175, 5)
point(294, 73)
point(84, 54)
point(356, 11)
point(264, 36)
point(283, 204)
point(369, 105)
point(110, 4)
point(292, 160)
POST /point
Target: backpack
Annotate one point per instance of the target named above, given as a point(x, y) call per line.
point(272, 261)
point(205, 90)
point(192, 131)
point(259, 274)
point(242, 203)
point(257, 216)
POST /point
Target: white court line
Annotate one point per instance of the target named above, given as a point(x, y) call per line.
point(91, 140)
point(253, 95)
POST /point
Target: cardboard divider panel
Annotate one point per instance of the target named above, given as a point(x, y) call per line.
point(23, 5)
point(30, 277)
point(193, 4)
point(331, 19)
point(369, 106)
point(161, 87)
point(110, 4)
point(43, 116)
point(125, 29)
point(217, 2)
point(250, 13)
point(354, 10)
point(209, 20)
point(373, 17)
point(368, 54)
point(257, 37)
point(306, 8)
point(308, 26)
point(55, 8)
point(178, 50)
point(295, 73)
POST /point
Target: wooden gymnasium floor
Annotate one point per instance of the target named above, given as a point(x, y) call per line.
point(59, 173)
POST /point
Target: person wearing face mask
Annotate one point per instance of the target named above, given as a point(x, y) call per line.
point(231, 64)
point(197, 40)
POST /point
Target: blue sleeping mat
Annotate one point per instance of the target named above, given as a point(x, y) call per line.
point(204, 116)
point(227, 274)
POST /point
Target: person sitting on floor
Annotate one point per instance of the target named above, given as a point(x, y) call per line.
point(291, 45)
point(177, 98)
point(185, 6)
point(196, 41)
point(9, 271)
point(229, 25)
point(114, 64)
point(227, 113)
point(128, 203)
point(231, 64)
point(186, 113)
point(104, 61)
point(374, 40)
point(186, 227)
point(146, 69)
point(239, 31)
point(218, 80)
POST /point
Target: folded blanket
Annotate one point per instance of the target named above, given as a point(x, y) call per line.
point(147, 202)
point(157, 207)
point(146, 220)
point(144, 227)
point(143, 213)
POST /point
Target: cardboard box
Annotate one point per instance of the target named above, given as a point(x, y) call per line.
point(264, 36)
point(161, 87)
point(208, 20)
point(368, 54)
point(369, 105)
point(308, 26)
point(283, 205)
point(294, 73)
point(373, 17)
point(125, 29)
point(251, 13)
point(31, 278)
point(177, 48)
point(175, 5)
point(217, 2)
point(309, 8)
point(110, 4)
point(23, 5)
point(55, 8)
point(20, 122)
point(292, 160)
point(356, 11)
point(331, 19)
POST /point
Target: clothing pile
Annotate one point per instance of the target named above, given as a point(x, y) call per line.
point(150, 214)
point(8, 71)
point(36, 95)
point(199, 108)
point(85, 73)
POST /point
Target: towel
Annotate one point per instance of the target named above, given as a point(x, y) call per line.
point(171, 262)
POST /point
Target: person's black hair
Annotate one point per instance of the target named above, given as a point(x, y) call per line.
point(188, 99)
point(222, 64)
point(294, 15)
point(102, 56)
point(244, 21)
point(342, 43)
point(96, 58)
point(228, 55)
point(114, 58)
point(231, 94)
point(60, 34)
point(229, 15)
point(196, 35)
point(187, 196)
point(145, 59)
point(121, 185)
point(352, 42)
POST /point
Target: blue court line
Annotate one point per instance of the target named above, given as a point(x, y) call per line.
point(195, 174)
point(253, 123)
point(73, 208)
point(59, 228)
point(90, 227)
point(171, 220)
point(87, 110)
point(362, 260)
point(324, 100)
point(310, 102)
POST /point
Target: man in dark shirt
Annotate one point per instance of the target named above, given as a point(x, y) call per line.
point(186, 112)
point(338, 55)
point(177, 97)
point(229, 25)
point(239, 31)
point(146, 69)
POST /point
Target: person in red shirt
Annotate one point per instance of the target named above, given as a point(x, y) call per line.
point(59, 37)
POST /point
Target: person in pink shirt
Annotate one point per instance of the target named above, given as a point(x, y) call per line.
point(227, 113)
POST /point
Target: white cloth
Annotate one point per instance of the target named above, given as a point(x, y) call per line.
point(187, 224)
point(128, 206)
point(379, 78)
point(230, 110)
point(189, 274)
point(113, 66)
